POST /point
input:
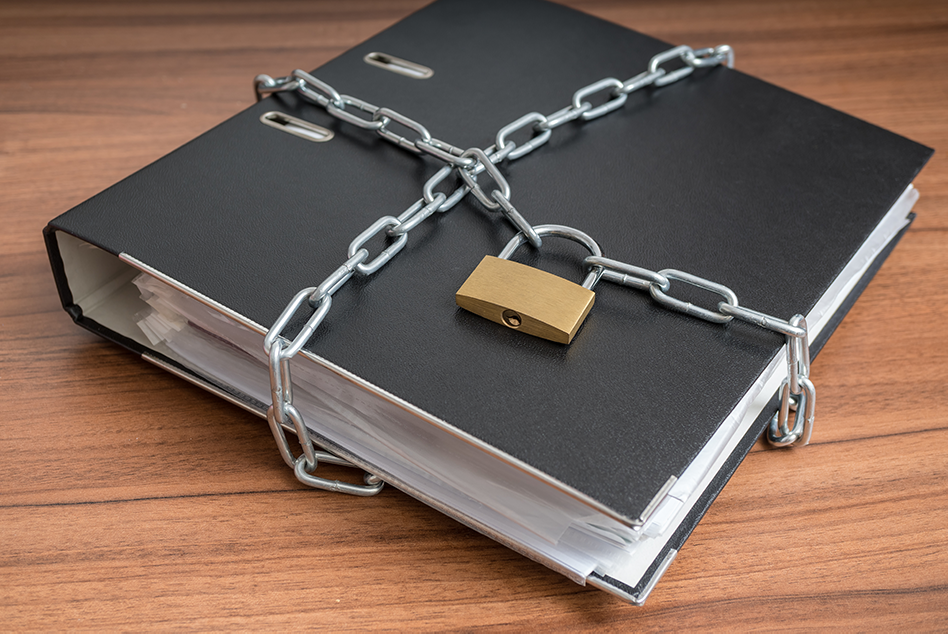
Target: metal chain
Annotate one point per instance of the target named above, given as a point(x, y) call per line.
point(469, 164)
point(797, 391)
point(474, 161)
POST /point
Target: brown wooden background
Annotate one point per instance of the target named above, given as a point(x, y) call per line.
point(129, 499)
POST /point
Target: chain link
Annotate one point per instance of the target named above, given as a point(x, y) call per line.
point(454, 198)
point(541, 135)
point(416, 214)
point(382, 224)
point(468, 164)
point(361, 122)
point(618, 98)
point(316, 90)
point(628, 275)
point(687, 307)
point(797, 392)
point(517, 220)
point(339, 277)
point(468, 175)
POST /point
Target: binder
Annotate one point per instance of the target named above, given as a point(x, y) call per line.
point(789, 203)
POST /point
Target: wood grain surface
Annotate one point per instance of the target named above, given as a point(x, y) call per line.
point(131, 500)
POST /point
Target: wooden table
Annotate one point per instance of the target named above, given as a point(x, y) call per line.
point(129, 499)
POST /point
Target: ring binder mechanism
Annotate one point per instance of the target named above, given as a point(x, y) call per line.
point(595, 458)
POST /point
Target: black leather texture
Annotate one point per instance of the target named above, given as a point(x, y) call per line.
point(720, 175)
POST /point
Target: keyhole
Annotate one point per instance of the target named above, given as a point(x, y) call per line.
point(512, 319)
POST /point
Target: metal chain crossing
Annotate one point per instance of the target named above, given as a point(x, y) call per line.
point(796, 392)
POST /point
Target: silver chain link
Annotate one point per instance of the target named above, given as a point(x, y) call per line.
point(797, 391)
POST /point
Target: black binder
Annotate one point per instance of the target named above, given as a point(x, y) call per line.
point(720, 174)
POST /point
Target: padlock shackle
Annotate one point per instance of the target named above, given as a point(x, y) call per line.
point(559, 231)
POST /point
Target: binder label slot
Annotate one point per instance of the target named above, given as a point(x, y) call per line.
point(398, 65)
point(297, 127)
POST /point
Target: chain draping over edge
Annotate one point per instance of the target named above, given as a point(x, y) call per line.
point(797, 391)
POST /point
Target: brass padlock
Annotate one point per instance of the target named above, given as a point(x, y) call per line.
point(528, 299)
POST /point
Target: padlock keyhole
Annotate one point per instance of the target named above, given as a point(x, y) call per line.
point(512, 319)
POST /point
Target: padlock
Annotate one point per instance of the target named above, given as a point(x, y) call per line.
point(528, 299)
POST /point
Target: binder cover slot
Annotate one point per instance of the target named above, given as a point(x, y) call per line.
point(398, 65)
point(296, 127)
